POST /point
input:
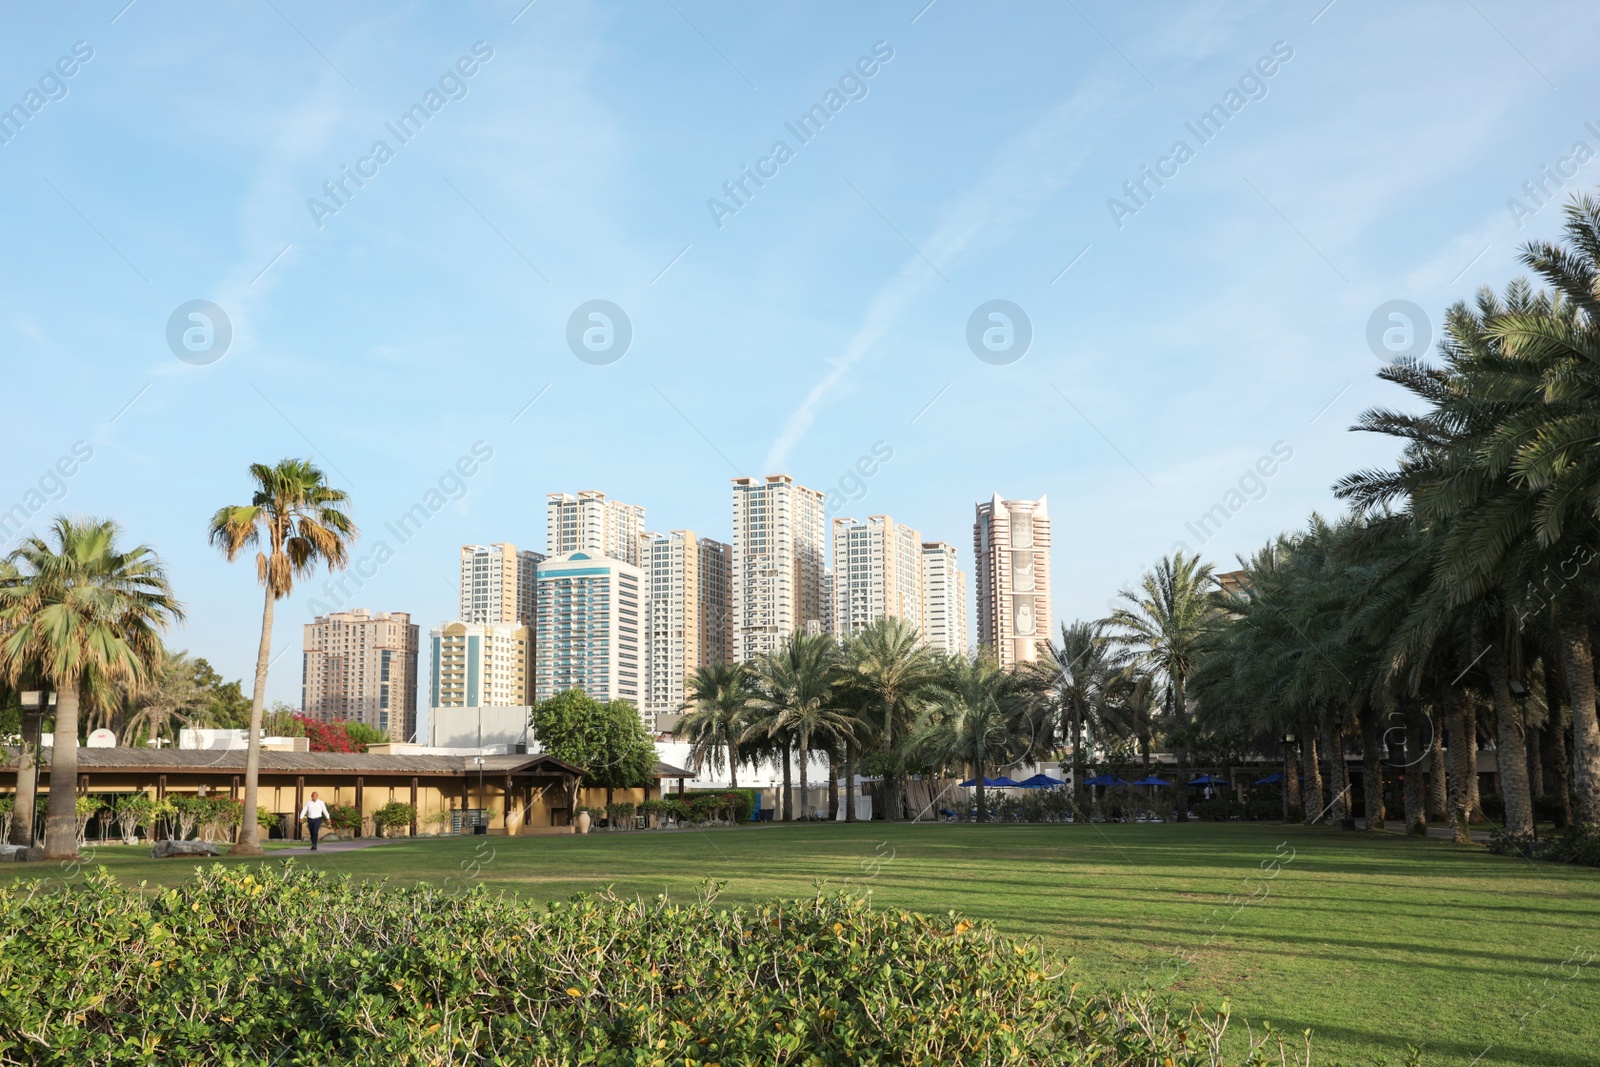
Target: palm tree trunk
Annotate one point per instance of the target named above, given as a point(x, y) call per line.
point(1291, 776)
point(1372, 769)
point(733, 765)
point(1459, 769)
point(60, 823)
point(1416, 793)
point(1474, 801)
point(1555, 732)
point(1511, 747)
point(983, 806)
point(1438, 776)
point(1288, 789)
point(788, 790)
point(805, 793)
point(22, 815)
point(1535, 754)
point(1313, 776)
point(1578, 658)
point(249, 830)
point(1339, 775)
point(833, 783)
point(850, 781)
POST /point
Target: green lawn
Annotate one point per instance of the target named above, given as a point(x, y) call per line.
point(1374, 941)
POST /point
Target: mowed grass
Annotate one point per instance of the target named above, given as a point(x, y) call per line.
point(1373, 941)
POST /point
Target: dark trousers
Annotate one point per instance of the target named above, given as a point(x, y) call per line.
point(316, 826)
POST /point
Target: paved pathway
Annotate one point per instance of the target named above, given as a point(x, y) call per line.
point(331, 846)
point(1481, 837)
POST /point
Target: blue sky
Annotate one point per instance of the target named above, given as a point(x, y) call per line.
point(1227, 314)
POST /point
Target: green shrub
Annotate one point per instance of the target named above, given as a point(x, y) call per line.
point(1493, 805)
point(241, 965)
point(1578, 843)
point(344, 819)
point(620, 815)
point(1218, 809)
point(393, 815)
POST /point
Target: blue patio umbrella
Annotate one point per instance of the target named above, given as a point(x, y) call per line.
point(1151, 780)
point(1207, 779)
point(1040, 781)
point(1001, 781)
point(1271, 779)
point(1104, 779)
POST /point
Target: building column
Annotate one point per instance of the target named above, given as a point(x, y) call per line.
point(299, 802)
point(361, 812)
point(161, 787)
point(505, 810)
point(233, 790)
point(413, 806)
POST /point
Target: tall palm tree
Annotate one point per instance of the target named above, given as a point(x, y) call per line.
point(978, 718)
point(1085, 667)
point(87, 616)
point(888, 663)
point(1161, 625)
point(295, 521)
point(716, 716)
point(795, 697)
point(171, 693)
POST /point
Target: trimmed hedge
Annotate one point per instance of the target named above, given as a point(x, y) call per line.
point(287, 965)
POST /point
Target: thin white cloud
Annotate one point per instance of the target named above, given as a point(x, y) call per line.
point(1025, 172)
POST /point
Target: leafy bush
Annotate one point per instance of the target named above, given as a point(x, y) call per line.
point(1578, 843)
point(133, 810)
point(1218, 809)
point(345, 819)
point(621, 815)
point(8, 807)
point(393, 815)
point(287, 965)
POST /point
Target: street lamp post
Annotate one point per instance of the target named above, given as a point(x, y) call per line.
point(482, 824)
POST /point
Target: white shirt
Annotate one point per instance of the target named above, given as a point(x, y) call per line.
point(314, 809)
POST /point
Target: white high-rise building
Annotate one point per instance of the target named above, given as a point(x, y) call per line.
point(481, 664)
point(687, 581)
point(1011, 546)
point(590, 523)
point(877, 574)
point(779, 549)
point(944, 600)
point(497, 584)
point(590, 628)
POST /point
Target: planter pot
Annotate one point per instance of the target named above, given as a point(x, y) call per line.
point(581, 823)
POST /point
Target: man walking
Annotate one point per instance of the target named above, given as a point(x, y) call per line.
point(313, 813)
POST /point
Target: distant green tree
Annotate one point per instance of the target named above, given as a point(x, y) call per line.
point(361, 735)
point(607, 741)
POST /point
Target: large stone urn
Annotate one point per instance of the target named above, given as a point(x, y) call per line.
point(581, 823)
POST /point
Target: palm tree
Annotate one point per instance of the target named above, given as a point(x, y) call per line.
point(295, 521)
point(1084, 669)
point(171, 692)
point(87, 617)
point(719, 696)
point(888, 663)
point(1161, 625)
point(978, 717)
point(795, 698)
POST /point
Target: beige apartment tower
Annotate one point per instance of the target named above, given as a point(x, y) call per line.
point(686, 578)
point(497, 584)
point(1011, 545)
point(361, 666)
point(591, 524)
point(482, 664)
point(877, 574)
point(778, 553)
point(944, 600)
